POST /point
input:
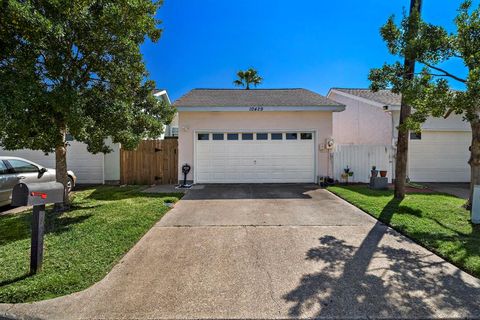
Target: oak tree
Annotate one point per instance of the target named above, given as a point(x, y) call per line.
point(76, 67)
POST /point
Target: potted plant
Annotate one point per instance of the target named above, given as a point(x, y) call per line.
point(374, 171)
point(383, 173)
point(346, 170)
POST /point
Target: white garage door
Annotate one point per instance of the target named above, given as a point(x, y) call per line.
point(87, 167)
point(440, 156)
point(262, 157)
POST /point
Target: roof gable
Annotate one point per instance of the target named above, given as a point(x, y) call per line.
point(386, 97)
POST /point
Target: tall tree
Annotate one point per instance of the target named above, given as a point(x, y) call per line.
point(429, 91)
point(75, 67)
point(405, 74)
point(247, 77)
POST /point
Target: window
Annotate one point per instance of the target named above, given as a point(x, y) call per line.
point(69, 137)
point(3, 168)
point(247, 136)
point(291, 136)
point(262, 136)
point(217, 136)
point(277, 136)
point(232, 136)
point(203, 136)
point(306, 136)
point(20, 166)
point(415, 136)
point(174, 131)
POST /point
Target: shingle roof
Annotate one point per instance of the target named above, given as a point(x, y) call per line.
point(386, 97)
point(253, 97)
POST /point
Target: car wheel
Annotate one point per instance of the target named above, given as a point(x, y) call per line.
point(69, 184)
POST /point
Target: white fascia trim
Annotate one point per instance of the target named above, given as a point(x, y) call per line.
point(163, 93)
point(371, 102)
point(269, 108)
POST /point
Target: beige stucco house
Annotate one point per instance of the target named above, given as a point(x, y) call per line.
point(255, 136)
point(439, 153)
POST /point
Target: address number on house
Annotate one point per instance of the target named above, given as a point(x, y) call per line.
point(255, 109)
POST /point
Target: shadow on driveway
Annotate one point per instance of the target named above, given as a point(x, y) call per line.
point(402, 283)
point(250, 191)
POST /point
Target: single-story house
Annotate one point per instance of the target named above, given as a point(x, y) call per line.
point(255, 136)
point(439, 153)
point(90, 168)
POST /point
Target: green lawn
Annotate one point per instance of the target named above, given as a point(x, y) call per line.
point(436, 221)
point(81, 246)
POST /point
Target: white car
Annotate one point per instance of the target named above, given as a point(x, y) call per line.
point(14, 170)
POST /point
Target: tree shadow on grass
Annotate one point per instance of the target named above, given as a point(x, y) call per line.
point(381, 280)
point(18, 226)
point(114, 193)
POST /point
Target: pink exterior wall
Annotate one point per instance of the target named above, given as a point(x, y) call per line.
point(360, 123)
point(189, 122)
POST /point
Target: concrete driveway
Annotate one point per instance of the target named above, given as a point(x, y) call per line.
point(270, 251)
point(461, 190)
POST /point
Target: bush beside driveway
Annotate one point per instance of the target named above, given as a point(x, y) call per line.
point(81, 246)
point(436, 221)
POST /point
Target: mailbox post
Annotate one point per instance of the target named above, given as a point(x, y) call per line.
point(37, 195)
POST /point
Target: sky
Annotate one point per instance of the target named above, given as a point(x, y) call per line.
point(312, 44)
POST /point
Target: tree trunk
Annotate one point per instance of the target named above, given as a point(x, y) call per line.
point(61, 171)
point(402, 154)
point(474, 159)
point(405, 111)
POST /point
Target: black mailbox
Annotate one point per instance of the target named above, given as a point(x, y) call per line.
point(37, 194)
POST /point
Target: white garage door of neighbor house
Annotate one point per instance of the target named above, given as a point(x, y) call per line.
point(439, 156)
point(254, 157)
point(87, 167)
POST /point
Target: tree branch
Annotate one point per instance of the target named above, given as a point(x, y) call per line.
point(445, 73)
point(446, 115)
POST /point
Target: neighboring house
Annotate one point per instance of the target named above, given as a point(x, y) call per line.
point(254, 136)
point(89, 168)
point(171, 130)
point(438, 154)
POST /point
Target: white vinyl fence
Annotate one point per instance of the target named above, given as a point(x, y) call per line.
point(360, 159)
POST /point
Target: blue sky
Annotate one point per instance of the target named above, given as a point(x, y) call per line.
point(313, 44)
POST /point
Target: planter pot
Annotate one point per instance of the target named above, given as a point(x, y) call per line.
point(350, 174)
point(374, 173)
point(383, 173)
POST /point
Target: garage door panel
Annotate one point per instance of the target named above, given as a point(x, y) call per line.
point(440, 156)
point(254, 161)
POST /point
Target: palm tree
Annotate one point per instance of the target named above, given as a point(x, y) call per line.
point(245, 78)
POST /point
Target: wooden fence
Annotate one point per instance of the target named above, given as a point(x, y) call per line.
point(153, 162)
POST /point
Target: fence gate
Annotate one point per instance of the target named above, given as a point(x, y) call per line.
point(153, 162)
point(360, 159)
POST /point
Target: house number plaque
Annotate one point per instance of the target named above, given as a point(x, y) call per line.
point(255, 109)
